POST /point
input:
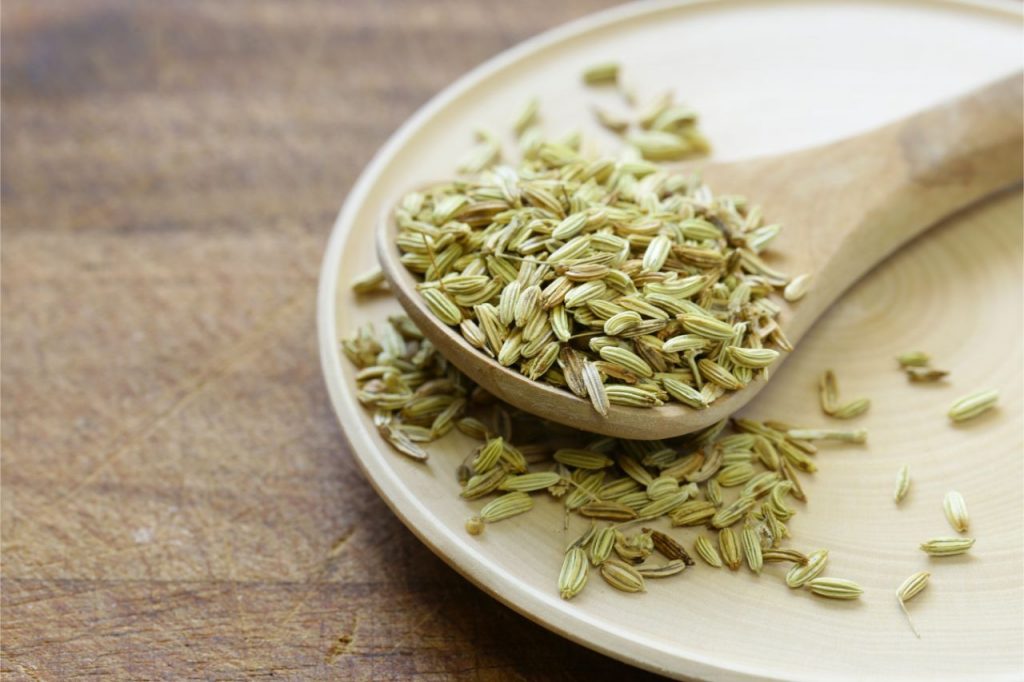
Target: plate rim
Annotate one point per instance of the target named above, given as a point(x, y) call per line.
point(520, 597)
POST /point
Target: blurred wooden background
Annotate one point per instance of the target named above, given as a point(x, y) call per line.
point(177, 500)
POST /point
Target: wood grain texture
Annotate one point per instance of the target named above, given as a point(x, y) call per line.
point(177, 501)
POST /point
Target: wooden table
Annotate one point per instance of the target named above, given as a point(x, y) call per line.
point(177, 498)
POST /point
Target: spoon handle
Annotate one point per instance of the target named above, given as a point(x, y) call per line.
point(967, 148)
point(848, 205)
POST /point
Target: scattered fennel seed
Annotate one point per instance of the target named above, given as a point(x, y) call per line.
point(943, 547)
point(902, 483)
point(370, 281)
point(852, 436)
point(970, 406)
point(920, 375)
point(797, 287)
point(956, 511)
point(914, 359)
point(908, 590)
point(835, 588)
point(600, 74)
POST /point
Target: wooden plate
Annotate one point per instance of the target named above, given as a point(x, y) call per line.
point(766, 77)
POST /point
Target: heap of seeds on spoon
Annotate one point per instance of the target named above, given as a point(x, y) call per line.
point(615, 278)
point(631, 284)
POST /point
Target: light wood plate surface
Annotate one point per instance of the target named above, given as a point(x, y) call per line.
point(766, 78)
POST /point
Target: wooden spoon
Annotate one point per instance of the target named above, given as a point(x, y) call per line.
point(844, 207)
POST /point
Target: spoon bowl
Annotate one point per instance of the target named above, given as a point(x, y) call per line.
point(844, 207)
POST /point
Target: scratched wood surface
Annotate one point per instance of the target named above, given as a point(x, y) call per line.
point(177, 500)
